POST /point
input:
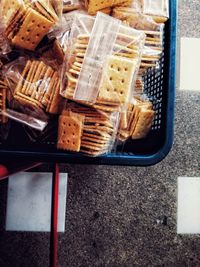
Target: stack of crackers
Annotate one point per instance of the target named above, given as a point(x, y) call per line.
point(39, 87)
point(153, 31)
point(27, 22)
point(105, 6)
point(159, 10)
point(115, 75)
point(136, 122)
point(153, 42)
point(87, 130)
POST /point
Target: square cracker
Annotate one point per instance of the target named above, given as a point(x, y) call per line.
point(32, 30)
point(116, 83)
point(70, 132)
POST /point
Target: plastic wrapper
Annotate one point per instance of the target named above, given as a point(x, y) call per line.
point(23, 118)
point(136, 122)
point(104, 61)
point(27, 22)
point(4, 45)
point(17, 112)
point(154, 35)
point(139, 85)
point(84, 129)
point(70, 5)
point(48, 136)
point(52, 53)
point(93, 6)
point(158, 9)
point(137, 5)
point(26, 115)
point(35, 84)
point(59, 37)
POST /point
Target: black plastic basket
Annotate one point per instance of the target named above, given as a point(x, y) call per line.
point(148, 151)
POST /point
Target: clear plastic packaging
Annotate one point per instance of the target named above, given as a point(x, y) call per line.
point(140, 21)
point(35, 84)
point(104, 61)
point(93, 6)
point(23, 118)
point(48, 136)
point(154, 35)
point(159, 9)
point(84, 129)
point(17, 112)
point(137, 5)
point(136, 122)
point(70, 5)
point(60, 36)
point(139, 85)
point(4, 45)
point(52, 53)
point(27, 22)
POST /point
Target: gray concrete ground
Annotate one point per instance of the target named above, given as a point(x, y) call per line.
point(123, 216)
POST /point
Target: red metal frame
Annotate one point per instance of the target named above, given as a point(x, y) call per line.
point(54, 218)
point(10, 168)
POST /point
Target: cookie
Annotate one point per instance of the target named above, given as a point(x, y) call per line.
point(33, 29)
point(69, 133)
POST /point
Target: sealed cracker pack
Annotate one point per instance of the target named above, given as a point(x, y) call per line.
point(136, 121)
point(154, 45)
point(27, 22)
point(105, 6)
point(26, 117)
point(35, 87)
point(87, 130)
point(154, 34)
point(59, 37)
point(158, 9)
point(104, 59)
